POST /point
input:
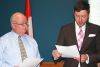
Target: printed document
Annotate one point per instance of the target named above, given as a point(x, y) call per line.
point(68, 51)
point(31, 62)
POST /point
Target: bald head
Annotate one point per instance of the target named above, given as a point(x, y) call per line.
point(16, 16)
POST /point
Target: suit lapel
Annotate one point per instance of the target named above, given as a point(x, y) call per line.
point(74, 35)
point(85, 40)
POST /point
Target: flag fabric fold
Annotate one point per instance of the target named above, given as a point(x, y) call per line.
point(28, 14)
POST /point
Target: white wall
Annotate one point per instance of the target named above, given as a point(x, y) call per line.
point(94, 11)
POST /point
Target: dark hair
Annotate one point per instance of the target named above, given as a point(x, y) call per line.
point(82, 5)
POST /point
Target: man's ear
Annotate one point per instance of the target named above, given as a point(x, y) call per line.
point(12, 26)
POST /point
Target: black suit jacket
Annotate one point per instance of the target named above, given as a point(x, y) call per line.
point(90, 45)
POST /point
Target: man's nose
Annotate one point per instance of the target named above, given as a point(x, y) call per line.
point(80, 19)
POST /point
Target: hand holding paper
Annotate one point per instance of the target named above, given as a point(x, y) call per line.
point(56, 54)
point(31, 62)
point(68, 51)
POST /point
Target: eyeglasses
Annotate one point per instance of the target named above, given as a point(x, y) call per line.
point(21, 24)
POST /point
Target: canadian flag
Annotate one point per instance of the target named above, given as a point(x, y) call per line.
point(28, 14)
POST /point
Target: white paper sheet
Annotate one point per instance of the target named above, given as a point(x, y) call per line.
point(68, 51)
point(31, 62)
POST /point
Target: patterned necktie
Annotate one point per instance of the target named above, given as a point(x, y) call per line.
point(22, 49)
point(80, 38)
point(80, 41)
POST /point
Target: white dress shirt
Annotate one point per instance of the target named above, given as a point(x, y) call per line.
point(10, 51)
point(77, 29)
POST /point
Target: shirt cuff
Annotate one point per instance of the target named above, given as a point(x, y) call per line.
point(87, 61)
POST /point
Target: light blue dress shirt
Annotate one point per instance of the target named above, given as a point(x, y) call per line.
point(10, 51)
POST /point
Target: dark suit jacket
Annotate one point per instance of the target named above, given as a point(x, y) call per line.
point(90, 46)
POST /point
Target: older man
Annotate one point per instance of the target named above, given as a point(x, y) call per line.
point(15, 46)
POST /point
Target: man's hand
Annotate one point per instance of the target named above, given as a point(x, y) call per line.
point(56, 54)
point(84, 57)
point(77, 58)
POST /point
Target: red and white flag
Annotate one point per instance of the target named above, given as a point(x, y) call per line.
point(28, 14)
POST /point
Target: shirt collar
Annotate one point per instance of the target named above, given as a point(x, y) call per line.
point(15, 34)
point(78, 28)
